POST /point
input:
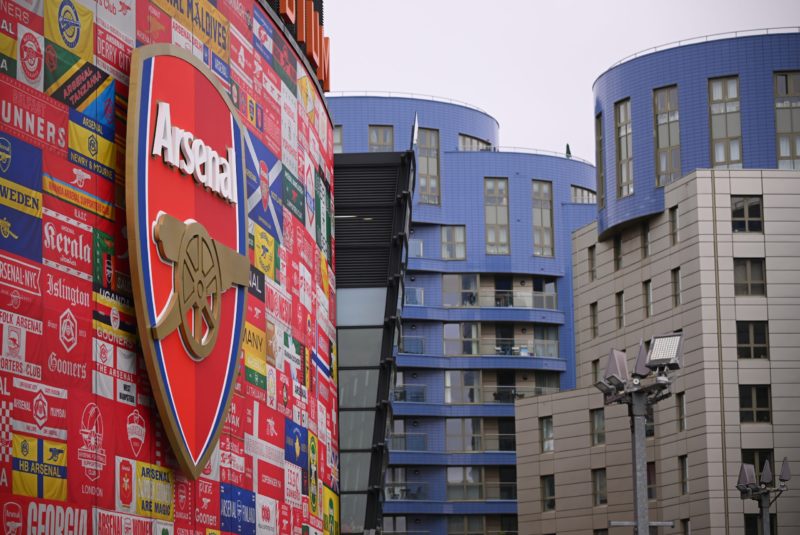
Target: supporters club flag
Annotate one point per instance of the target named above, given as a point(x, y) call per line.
point(188, 243)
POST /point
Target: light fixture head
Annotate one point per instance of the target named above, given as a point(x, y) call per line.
point(605, 388)
point(747, 477)
point(766, 474)
point(665, 352)
point(617, 369)
point(785, 474)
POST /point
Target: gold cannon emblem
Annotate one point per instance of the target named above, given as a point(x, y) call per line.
point(5, 229)
point(204, 269)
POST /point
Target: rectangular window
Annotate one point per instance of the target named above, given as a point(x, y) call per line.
point(593, 319)
point(619, 299)
point(463, 525)
point(668, 139)
point(381, 138)
point(461, 339)
point(598, 158)
point(650, 422)
point(749, 276)
point(454, 242)
point(599, 493)
point(746, 212)
point(645, 239)
point(463, 434)
point(617, 252)
point(582, 195)
point(651, 480)
point(752, 340)
point(428, 166)
point(758, 458)
point(686, 527)
point(597, 422)
point(337, 140)
point(596, 371)
point(460, 290)
point(680, 407)
point(469, 143)
point(495, 198)
point(462, 386)
point(754, 404)
point(674, 225)
point(647, 296)
point(546, 433)
point(726, 129)
point(676, 287)
point(464, 483)
point(683, 470)
point(548, 485)
point(542, 218)
point(591, 253)
point(787, 119)
point(624, 138)
point(752, 524)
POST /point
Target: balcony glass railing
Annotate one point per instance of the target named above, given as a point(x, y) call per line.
point(415, 249)
point(413, 344)
point(408, 442)
point(480, 443)
point(410, 393)
point(405, 491)
point(414, 296)
point(493, 394)
point(501, 346)
point(481, 491)
point(501, 299)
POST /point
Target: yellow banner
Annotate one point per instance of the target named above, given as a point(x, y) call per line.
point(91, 145)
point(330, 511)
point(8, 46)
point(264, 252)
point(78, 197)
point(71, 26)
point(20, 198)
point(255, 340)
point(39, 468)
point(256, 363)
point(154, 491)
point(203, 20)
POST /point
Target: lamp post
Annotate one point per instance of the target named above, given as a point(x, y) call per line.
point(749, 488)
point(618, 388)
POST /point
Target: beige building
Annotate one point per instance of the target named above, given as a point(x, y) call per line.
point(722, 264)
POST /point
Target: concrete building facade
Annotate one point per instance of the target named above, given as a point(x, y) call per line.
point(699, 211)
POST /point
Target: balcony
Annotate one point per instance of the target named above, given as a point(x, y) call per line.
point(481, 491)
point(408, 442)
point(414, 296)
point(414, 345)
point(501, 299)
point(480, 443)
point(493, 394)
point(406, 491)
point(521, 347)
point(410, 393)
point(415, 248)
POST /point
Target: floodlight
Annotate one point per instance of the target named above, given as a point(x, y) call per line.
point(747, 477)
point(766, 474)
point(605, 388)
point(665, 352)
point(785, 474)
point(617, 369)
point(641, 369)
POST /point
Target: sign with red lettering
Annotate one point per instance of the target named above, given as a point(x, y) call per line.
point(33, 116)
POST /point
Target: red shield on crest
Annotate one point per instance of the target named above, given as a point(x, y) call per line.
point(189, 264)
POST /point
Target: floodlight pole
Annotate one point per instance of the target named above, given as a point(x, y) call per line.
point(763, 508)
point(638, 414)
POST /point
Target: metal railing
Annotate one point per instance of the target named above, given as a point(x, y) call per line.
point(408, 442)
point(415, 248)
point(401, 94)
point(414, 345)
point(501, 347)
point(481, 491)
point(454, 395)
point(480, 443)
point(414, 296)
point(412, 490)
point(528, 150)
point(410, 393)
point(501, 299)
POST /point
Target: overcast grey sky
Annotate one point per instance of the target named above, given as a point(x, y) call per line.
point(528, 63)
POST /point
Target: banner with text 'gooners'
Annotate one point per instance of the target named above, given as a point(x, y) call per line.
point(189, 264)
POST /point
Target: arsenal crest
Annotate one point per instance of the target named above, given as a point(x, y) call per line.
point(188, 243)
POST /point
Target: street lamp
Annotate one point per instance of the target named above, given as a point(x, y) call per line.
point(618, 388)
point(761, 493)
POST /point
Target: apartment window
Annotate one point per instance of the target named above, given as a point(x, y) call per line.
point(454, 242)
point(464, 483)
point(752, 524)
point(752, 340)
point(686, 527)
point(787, 119)
point(676, 287)
point(668, 138)
point(459, 290)
point(726, 130)
point(542, 218)
point(746, 213)
point(464, 525)
point(548, 486)
point(651, 481)
point(593, 319)
point(758, 458)
point(749, 276)
point(595, 371)
point(469, 143)
point(680, 406)
point(461, 338)
point(428, 166)
point(591, 256)
point(463, 434)
point(754, 403)
point(582, 195)
point(600, 532)
point(645, 239)
point(624, 138)
point(617, 252)
point(462, 386)
point(546, 433)
point(337, 140)
point(619, 298)
point(647, 296)
point(597, 422)
point(674, 237)
point(394, 524)
point(381, 138)
point(683, 470)
point(495, 197)
point(598, 158)
point(599, 493)
point(649, 423)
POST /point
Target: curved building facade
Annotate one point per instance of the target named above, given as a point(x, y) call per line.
point(718, 104)
point(488, 305)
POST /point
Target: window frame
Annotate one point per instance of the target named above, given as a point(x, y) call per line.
point(749, 345)
point(675, 279)
point(542, 216)
point(790, 101)
point(619, 308)
point(750, 285)
point(645, 237)
point(340, 144)
point(755, 456)
point(455, 243)
point(427, 194)
point(547, 484)
point(666, 117)
point(720, 107)
point(747, 223)
point(593, 321)
point(652, 485)
point(547, 442)
point(600, 175)
point(674, 225)
point(496, 246)
point(599, 487)
point(623, 136)
point(467, 143)
point(597, 426)
point(683, 471)
point(617, 247)
point(680, 408)
point(380, 146)
point(752, 393)
point(647, 297)
point(591, 259)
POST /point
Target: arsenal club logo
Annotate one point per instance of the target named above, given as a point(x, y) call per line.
point(188, 243)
